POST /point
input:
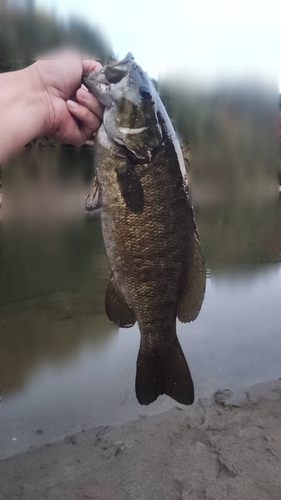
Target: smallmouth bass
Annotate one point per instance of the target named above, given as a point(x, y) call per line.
point(157, 266)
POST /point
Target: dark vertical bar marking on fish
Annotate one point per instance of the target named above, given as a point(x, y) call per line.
point(131, 188)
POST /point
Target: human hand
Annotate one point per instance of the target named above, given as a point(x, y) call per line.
point(59, 78)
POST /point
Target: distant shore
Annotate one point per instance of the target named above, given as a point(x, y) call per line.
point(225, 447)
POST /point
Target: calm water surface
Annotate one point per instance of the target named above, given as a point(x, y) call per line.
point(66, 368)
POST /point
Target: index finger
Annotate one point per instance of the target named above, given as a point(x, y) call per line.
point(90, 65)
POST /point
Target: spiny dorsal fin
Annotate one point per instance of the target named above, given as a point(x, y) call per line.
point(194, 290)
point(117, 308)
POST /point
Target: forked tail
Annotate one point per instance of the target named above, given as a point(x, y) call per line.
point(164, 373)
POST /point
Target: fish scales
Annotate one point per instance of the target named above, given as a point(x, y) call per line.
point(149, 264)
point(149, 232)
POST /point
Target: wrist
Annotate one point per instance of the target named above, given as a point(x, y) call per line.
point(24, 111)
point(39, 100)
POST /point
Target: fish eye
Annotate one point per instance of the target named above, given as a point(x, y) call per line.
point(144, 92)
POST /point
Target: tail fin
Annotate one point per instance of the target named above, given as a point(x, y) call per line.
point(164, 373)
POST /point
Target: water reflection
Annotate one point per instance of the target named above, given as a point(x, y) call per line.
point(236, 342)
point(64, 365)
point(68, 376)
point(54, 269)
point(241, 233)
point(52, 282)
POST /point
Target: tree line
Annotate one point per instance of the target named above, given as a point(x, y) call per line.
point(27, 31)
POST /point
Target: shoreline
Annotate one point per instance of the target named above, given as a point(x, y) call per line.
point(226, 446)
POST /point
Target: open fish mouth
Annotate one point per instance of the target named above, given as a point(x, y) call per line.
point(99, 81)
point(96, 82)
point(85, 77)
point(131, 117)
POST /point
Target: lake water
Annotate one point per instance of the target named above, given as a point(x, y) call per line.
point(64, 366)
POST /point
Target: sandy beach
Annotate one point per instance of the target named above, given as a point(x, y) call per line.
point(225, 447)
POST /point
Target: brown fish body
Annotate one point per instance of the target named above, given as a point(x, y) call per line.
point(158, 271)
point(150, 250)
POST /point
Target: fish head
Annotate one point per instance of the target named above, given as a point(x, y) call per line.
point(131, 117)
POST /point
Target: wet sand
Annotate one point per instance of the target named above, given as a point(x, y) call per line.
point(225, 447)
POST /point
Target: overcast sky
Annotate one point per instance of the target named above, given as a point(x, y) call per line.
point(202, 36)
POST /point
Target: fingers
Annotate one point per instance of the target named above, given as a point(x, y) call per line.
point(90, 101)
point(89, 111)
point(90, 122)
point(90, 65)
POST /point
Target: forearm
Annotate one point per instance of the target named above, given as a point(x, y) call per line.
point(22, 110)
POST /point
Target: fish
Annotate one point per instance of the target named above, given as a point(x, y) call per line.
point(158, 271)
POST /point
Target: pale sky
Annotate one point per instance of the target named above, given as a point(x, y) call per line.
point(203, 37)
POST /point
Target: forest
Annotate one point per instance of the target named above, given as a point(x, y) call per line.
point(27, 31)
point(229, 130)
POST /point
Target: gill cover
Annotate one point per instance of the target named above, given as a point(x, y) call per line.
point(130, 117)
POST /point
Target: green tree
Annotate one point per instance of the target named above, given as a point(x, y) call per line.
point(27, 31)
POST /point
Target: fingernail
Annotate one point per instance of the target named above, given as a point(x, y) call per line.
point(72, 105)
point(84, 93)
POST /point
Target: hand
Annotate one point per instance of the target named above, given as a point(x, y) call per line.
point(60, 80)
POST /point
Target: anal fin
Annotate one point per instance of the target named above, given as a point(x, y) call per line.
point(117, 308)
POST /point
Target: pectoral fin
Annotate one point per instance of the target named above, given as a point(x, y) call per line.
point(130, 187)
point(117, 308)
point(92, 201)
point(194, 289)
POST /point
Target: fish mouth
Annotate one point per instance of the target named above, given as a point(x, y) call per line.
point(107, 74)
point(98, 74)
point(97, 83)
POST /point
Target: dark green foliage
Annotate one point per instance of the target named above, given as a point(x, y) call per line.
point(28, 32)
point(232, 131)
